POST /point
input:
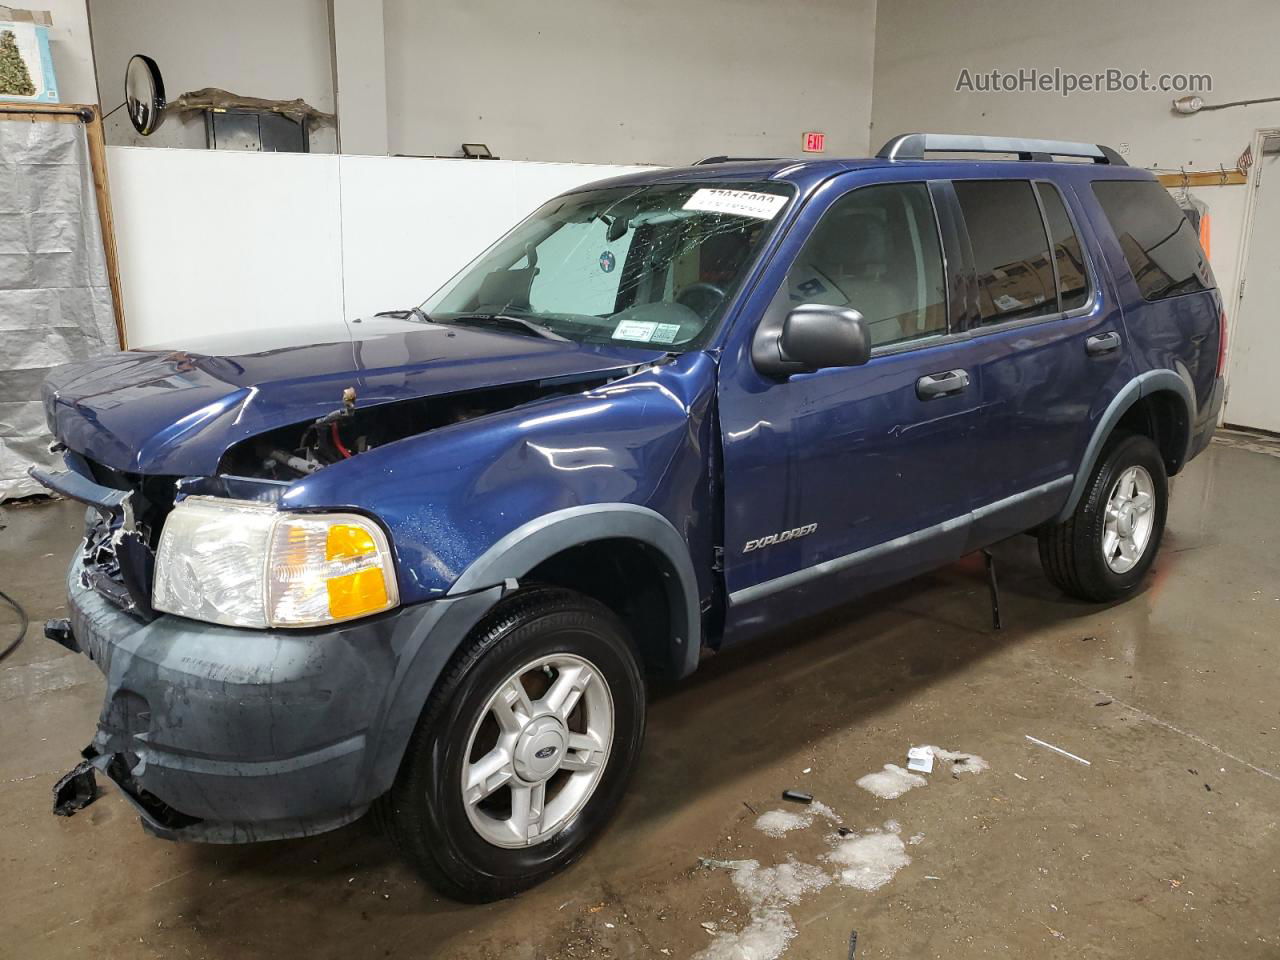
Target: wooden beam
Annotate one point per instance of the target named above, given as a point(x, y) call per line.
point(91, 117)
point(1205, 178)
point(98, 164)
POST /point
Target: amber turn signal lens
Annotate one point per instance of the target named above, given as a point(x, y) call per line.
point(355, 594)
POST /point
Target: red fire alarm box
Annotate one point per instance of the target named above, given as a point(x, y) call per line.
point(815, 142)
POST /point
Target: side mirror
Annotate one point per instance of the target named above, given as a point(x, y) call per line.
point(813, 336)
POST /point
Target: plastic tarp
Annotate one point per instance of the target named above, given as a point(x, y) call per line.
point(55, 298)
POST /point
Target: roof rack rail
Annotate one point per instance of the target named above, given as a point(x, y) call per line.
point(913, 146)
point(722, 159)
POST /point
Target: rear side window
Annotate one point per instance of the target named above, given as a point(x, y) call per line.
point(1073, 278)
point(1010, 249)
point(1158, 242)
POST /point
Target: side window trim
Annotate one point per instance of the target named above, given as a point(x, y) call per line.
point(957, 258)
point(1086, 255)
point(1053, 251)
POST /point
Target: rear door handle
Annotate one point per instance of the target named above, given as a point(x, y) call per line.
point(1102, 343)
point(942, 384)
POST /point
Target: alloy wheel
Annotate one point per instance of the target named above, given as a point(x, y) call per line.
point(538, 750)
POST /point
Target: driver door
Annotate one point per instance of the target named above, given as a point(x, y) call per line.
point(843, 479)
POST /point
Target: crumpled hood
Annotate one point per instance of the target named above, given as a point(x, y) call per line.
point(176, 412)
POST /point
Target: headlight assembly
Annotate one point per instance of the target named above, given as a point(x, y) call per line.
point(247, 564)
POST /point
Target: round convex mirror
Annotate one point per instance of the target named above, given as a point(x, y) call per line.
point(144, 94)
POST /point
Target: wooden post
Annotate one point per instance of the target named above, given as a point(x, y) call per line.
point(91, 117)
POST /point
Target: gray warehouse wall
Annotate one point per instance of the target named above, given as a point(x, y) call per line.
point(664, 81)
point(278, 50)
point(922, 46)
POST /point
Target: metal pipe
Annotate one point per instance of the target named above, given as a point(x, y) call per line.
point(84, 113)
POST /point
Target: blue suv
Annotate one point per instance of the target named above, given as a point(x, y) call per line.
point(429, 568)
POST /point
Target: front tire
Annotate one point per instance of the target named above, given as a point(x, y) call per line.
point(524, 750)
point(1102, 552)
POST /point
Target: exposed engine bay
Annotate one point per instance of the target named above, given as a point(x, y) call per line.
point(349, 430)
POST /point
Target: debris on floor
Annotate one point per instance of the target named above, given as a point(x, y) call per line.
point(893, 781)
point(797, 796)
point(920, 759)
point(961, 762)
point(1064, 753)
point(76, 790)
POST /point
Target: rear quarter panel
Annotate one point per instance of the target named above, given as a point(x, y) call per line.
point(1178, 333)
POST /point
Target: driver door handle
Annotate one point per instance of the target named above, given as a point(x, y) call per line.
point(942, 384)
point(1102, 343)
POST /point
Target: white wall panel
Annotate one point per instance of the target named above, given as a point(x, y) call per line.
point(216, 242)
point(410, 223)
point(220, 241)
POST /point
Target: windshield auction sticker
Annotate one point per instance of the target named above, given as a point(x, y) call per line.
point(646, 331)
point(742, 203)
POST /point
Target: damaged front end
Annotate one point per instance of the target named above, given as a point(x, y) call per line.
point(247, 718)
point(117, 555)
point(223, 734)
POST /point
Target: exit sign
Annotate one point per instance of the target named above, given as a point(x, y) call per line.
point(815, 142)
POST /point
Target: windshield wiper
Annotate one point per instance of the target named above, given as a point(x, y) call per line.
point(416, 313)
point(511, 323)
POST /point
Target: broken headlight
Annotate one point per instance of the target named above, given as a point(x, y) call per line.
point(247, 564)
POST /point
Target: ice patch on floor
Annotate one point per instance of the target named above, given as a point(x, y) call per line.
point(778, 823)
point(871, 860)
point(892, 781)
point(769, 891)
point(960, 762)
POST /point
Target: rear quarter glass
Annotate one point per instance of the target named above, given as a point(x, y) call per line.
point(1157, 240)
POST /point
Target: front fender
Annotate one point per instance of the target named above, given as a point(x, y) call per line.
point(471, 504)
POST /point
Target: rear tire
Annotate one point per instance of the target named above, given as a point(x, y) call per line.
point(559, 771)
point(1105, 548)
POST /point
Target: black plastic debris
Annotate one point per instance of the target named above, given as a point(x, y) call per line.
point(853, 943)
point(843, 831)
point(1103, 703)
point(76, 790)
point(994, 586)
point(796, 796)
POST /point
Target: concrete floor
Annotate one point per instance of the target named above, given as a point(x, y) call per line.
point(1166, 845)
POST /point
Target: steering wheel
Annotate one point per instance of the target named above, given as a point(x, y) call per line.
point(702, 298)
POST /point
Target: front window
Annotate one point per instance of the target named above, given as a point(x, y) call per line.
point(641, 266)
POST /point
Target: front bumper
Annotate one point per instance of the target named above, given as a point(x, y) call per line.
point(228, 735)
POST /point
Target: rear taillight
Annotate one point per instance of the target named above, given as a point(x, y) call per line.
point(1222, 341)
